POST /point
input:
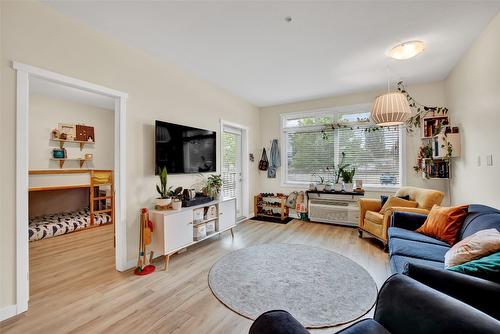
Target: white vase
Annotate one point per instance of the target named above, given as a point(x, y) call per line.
point(163, 201)
point(176, 205)
point(348, 187)
point(338, 186)
point(320, 187)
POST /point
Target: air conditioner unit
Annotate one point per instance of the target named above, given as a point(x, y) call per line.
point(342, 212)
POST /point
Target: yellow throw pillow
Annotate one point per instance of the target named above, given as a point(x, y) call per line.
point(397, 202)
point(480, 244)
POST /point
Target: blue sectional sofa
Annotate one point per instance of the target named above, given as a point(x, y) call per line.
point(408, 246)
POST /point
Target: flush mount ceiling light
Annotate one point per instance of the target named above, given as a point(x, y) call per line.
point(407, 50)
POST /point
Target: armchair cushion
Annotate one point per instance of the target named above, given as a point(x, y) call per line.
point(418, 250)
point(426, 198)
point(374, 217)
point(397, 202)
point(401, 233)
point(384, 198)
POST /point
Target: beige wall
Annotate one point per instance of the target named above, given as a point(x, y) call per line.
point(35, 34)
point(44, 115)
point(473, 93)
point(427, 94)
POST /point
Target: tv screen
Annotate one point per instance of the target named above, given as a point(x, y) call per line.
point(183, 149)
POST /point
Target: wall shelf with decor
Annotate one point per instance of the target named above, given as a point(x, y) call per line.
point(64, 141)
point(440, 143)
point(63, 160)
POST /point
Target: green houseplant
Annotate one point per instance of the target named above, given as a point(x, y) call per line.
point(347, 177)
point(162, 189)
point(212, 185)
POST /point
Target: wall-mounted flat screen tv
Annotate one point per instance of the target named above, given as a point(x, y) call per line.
point(183, 149)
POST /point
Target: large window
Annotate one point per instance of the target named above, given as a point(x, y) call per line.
point(311, 148)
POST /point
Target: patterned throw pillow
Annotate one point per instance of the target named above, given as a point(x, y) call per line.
point(480, 244)
point(444, 223)
point(397, 202)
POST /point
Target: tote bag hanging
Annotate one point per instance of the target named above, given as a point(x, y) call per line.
point(263, 163)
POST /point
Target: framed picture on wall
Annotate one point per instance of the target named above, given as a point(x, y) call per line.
point(67, 130)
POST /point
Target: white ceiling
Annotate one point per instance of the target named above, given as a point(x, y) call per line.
point(51, 89)
point(329, 48)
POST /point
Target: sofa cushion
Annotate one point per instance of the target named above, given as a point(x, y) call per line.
point(365, 326)
point(402, 233)
point(444, 223)
point(398, 263)
point(417, 249)
point(480, 217)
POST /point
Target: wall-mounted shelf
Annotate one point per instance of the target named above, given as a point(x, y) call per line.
point(62, 161)
point(63, 141)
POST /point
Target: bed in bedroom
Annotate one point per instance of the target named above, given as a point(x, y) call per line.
point(100, 209)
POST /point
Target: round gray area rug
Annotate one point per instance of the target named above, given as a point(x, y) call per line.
point(318, 287)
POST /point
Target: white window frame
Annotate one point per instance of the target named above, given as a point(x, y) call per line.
point(330, 112)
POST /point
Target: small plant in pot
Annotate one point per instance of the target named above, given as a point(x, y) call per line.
point(338, 173)
point(347, 177)
point(213, 186)
point(164, 199)
point(321, 185)
point(176, 196)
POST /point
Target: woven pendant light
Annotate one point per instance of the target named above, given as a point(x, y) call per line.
point(390, 109)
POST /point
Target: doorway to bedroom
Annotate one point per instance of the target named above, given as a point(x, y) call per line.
point(70, 185)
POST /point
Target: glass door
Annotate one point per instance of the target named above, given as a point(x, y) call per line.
point(232, 166)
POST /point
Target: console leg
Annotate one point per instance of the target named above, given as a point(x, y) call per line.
point(232, 233)
point(166, 259)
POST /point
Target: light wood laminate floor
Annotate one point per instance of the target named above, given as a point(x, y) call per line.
point(74, 287)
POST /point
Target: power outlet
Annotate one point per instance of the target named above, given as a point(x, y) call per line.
point(489, 160)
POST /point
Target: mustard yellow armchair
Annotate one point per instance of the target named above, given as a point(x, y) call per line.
point(376, 224)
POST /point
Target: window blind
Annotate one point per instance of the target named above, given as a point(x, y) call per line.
point(308, 153)
point(375, 154)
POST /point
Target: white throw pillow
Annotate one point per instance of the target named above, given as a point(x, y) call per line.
point(480, 244)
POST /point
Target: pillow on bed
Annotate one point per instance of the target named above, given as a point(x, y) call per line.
point(480, 244)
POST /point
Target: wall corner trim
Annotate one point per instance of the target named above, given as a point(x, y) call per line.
point(8, 311)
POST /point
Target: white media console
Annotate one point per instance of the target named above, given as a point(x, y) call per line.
point(175, 230)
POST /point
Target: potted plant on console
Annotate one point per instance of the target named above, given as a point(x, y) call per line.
point(213, 185)
point(347, 177)
point(176, 196)
point(164, 200)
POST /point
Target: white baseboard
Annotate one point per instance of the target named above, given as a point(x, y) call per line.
point(7, 312)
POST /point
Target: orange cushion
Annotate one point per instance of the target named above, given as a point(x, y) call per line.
point(480, 244)
point(444, 223)
point(397, 202)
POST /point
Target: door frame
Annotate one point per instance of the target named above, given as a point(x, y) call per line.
point(245, 166)
point(24, 73)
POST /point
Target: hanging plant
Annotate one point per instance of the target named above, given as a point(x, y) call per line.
point(419, 109)
point(350, 126)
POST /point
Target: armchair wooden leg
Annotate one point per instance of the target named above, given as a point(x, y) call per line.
point(360, 233)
